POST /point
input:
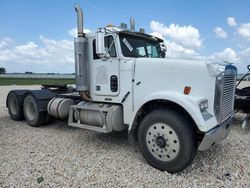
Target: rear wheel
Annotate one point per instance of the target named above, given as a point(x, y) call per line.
point(167, 141)
point(15, 107)
point(31, 112)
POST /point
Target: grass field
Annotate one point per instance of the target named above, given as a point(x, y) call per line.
point(34, 81)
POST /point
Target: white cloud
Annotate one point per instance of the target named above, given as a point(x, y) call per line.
point(51, 56)
point(177, 51)
point(73, 32)
point(220, 33)
point(5, 42)
point(246, 53)
point(228, 54)
point(231, 21)
point(244, 56)
point(186, 36)
point(157, 34)
point(243, 60)
point(244, 30)
point(240, 59)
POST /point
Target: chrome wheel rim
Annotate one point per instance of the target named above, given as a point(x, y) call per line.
point(162, 142)
point(30, 110)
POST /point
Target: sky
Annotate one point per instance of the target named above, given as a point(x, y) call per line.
point(37, 35)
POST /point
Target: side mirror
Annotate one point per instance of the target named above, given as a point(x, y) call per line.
point(163, 50)
point(100, 46)
point(163, 53)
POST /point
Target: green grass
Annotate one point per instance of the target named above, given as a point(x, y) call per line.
point(35, 81)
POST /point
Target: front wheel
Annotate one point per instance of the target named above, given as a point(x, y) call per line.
point(167, 140)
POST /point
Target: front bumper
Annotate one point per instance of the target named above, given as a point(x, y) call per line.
point(215, 135)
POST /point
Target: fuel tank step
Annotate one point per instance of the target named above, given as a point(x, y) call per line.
point(98, 117)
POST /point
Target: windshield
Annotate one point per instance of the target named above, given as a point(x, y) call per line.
point(135, 46)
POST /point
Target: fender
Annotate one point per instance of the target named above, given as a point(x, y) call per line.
point(187, 102)
point(19, 94)
point(42, 97)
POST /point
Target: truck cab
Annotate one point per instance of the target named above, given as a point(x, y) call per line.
point(113, 75)
point(125, 81)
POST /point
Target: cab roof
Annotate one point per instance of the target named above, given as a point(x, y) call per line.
point(140, 34)
point(119, 30)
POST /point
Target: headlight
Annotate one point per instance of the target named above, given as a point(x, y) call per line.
point(215, 69)
point(203, 105)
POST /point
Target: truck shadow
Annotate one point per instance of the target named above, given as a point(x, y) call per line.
point(83, 135)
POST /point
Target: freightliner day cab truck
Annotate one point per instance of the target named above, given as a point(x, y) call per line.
point(171, 107)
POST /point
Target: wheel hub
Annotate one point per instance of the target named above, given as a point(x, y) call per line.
point(162, 141)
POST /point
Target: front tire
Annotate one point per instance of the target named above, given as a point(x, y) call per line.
point(32, 115)
point(167, 140)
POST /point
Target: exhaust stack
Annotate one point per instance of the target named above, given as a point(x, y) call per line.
point(79, 21)
point(81, 62)
point(132, 24)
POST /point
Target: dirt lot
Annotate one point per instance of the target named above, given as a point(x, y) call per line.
point(60, 156)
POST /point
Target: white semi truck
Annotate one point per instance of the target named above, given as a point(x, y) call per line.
point(171, 107)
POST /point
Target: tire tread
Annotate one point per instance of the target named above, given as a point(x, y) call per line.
point(187, 136)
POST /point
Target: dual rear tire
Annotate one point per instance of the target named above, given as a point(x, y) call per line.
point(15, 107)
point(28, 110)
point(32, 115)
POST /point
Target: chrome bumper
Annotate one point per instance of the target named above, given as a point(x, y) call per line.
point(215, 135)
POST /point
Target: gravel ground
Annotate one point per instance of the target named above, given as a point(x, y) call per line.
point(60, 156)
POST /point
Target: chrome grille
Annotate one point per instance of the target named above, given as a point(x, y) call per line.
point(224, 97)
point(228, 96)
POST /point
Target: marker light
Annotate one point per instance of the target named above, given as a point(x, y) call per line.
point(187, 90)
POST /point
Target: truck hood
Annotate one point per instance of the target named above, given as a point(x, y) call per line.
point(185, 63)
point(157, 75)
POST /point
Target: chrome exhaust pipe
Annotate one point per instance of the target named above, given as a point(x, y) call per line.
point(132, 24)
point(81, 54)
point(79, 21)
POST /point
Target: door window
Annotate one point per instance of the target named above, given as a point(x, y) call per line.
point(109, 44)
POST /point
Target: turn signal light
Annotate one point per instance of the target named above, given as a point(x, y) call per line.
point(187, 90)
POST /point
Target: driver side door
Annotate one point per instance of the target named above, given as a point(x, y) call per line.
point(106, 78)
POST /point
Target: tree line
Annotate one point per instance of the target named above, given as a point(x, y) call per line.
point(2, 70)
